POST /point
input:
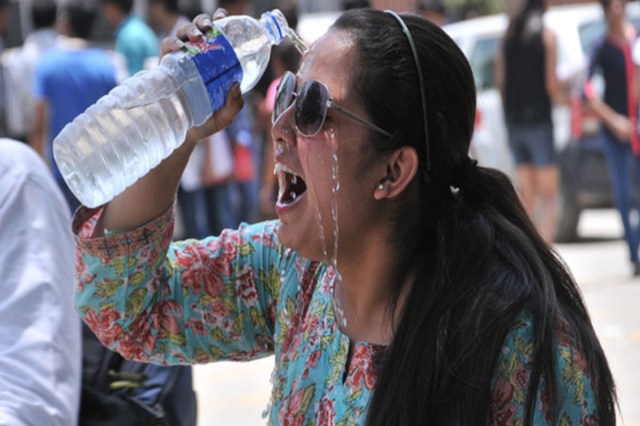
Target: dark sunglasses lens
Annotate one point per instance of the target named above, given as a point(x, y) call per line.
point(284, 95)
point(311, 108)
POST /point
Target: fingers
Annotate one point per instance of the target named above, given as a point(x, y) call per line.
point(220, 13)
point(192, 31)
point(203, 22)
point(189, 32)
point(170, 44)
point(224, 117)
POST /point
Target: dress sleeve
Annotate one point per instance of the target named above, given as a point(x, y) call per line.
point(575, 399)
point(172, 303)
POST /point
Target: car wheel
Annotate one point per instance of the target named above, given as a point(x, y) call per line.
point(568, 218)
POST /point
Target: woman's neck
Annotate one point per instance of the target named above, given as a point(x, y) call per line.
point(618, 30)
point(364, 290)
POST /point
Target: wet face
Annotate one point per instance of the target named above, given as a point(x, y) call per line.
point(311, 168)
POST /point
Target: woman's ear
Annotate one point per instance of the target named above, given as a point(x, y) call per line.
point(401, 168)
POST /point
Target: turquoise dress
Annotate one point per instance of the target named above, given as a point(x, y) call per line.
point(242, 296)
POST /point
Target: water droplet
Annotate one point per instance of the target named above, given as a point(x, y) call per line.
point(294, 179)
point(334, 201)
point(293, 195)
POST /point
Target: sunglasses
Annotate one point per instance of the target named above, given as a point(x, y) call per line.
point(311, 105)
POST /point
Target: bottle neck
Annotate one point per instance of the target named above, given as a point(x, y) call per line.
point(276, 26)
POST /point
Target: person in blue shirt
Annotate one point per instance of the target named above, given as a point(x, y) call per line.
point(68, 79)
point(133, 37)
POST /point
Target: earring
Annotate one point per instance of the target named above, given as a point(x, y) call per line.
point(381, 186)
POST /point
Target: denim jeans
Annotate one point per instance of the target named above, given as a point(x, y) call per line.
point(192, 205)
point(220, 210)
point(624, 168)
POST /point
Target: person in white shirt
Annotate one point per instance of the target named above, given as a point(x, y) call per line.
point(19, 64)
point(40, 349)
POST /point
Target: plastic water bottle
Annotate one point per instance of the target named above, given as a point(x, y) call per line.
point(136, 125)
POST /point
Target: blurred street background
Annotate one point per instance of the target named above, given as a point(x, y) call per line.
point(238, 393)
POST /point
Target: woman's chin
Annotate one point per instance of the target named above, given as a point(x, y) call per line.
point(300, 242)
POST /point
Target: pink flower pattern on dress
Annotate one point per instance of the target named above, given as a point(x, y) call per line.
point(226, 298)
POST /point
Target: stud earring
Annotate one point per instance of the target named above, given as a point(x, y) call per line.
point(381, 186)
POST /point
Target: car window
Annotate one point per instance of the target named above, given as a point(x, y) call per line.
point(483, 62)
point(590, 33)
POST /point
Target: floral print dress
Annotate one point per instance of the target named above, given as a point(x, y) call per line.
point(241, 296)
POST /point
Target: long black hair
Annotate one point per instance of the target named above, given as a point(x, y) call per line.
point(479, 260)
point(521, 18)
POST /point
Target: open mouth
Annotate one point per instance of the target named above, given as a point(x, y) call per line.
point(291, 186)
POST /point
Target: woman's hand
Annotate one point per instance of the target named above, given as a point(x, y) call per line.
point(621, 127)
point(194, 31)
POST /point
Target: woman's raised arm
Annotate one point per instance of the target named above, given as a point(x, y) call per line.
point(155, 192)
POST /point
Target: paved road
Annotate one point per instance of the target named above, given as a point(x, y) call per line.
point(601, 268)
point(237, 394)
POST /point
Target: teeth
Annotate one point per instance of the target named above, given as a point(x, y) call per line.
point(281, 167)
point(294, 179)
point(293, 195)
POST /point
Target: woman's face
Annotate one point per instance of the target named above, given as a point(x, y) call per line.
point(335, 155)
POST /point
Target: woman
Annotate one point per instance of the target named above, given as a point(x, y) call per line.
point(402, 284)
point(526, 77)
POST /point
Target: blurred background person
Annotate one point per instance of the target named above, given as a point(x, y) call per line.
point(165, 17)
point(433, 10)
point(618, 110)
point(235, 7)
point(190, 198)
point(40, 331)
point(218, 170)
point(355, 4)
point(4, 27)
point(245, 186)
point(68, 79)
point(20, 63)
point(526, 77)
point(134, 39)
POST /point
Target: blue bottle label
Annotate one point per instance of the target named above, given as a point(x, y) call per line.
point(217, 64)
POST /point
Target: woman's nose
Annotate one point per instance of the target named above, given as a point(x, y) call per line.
point(282, 130)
